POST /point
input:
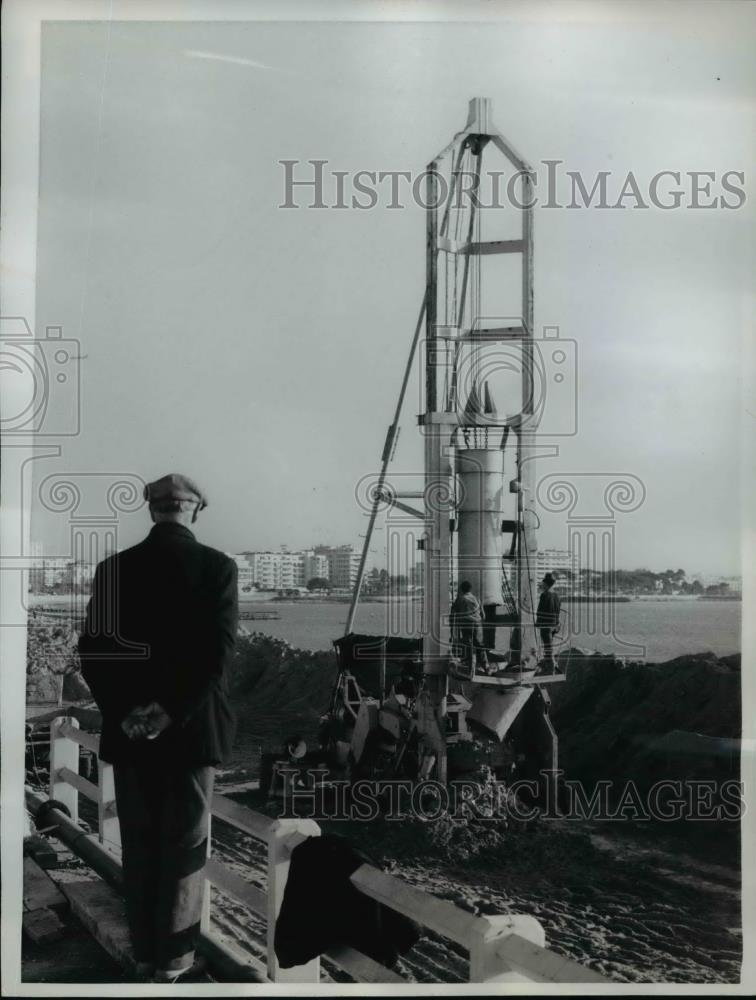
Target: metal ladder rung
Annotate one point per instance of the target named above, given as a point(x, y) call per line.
point(481, 249)
point(494, 333)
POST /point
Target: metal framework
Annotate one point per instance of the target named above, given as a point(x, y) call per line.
point(466, 428)
point(473, 523)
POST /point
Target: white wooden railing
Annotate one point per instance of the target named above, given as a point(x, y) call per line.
point(501, 949)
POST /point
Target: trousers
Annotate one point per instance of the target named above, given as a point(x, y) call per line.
point(163, 811)
point(547, 638)
point(471, 639)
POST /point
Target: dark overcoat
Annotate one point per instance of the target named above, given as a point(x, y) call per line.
point(549, 607)
point(161, 626)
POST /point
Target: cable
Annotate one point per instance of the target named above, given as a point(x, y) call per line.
point(530, 593)
point(508, 598)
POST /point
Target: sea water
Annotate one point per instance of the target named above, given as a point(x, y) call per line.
point(654, 630)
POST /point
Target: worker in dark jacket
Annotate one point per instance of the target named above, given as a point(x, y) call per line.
point(466, 619)
point(155, 650)
point(547, 619)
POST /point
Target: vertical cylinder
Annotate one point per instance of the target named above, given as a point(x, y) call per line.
point(480, 512)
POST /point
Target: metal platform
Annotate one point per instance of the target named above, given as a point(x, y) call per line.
point(526, 679)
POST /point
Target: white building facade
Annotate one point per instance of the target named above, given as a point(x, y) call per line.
point(343, 565)
point(285, 570)
point(560, 562)
point(276, 570)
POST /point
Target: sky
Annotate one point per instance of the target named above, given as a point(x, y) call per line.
point(260, 349)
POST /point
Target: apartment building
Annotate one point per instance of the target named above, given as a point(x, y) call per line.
point(314, 565)
point(285, 570)
point(343, 564)
point(273, 570)
point(562, 563)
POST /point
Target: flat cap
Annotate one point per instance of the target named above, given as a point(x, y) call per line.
point(174, 486)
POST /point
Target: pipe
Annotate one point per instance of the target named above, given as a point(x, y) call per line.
point(234, 968)
point(84, 845)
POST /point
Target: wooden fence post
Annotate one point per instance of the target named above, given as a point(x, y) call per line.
point(64, 752)
point(109, 829)
point(485, 964)
point(284, 836)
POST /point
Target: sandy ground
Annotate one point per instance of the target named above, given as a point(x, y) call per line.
point(628, 904)
point(631, 905)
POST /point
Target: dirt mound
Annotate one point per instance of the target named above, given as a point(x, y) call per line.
point(50, 657)
point(278, 690)
point(646, 721)
point(615, 720)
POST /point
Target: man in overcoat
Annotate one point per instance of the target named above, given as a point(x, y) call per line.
point(156, 650)
point(547, 621)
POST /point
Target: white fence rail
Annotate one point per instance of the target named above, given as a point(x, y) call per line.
point(503, 949)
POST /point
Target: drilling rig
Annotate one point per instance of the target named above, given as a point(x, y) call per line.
point(410, 706)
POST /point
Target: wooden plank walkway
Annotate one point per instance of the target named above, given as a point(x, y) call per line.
point(40, 890)
point(75, 958)
point(92, 944)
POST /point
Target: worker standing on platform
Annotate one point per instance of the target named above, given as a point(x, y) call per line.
point(547, 620)
point(466, 619)
point(155, 650)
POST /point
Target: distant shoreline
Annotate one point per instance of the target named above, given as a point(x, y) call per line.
point(566, 598)
point(40, 600)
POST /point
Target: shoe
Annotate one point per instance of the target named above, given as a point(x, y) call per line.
point(171, 976)
point(547, 669)
point(144, 971)
point(460, 669)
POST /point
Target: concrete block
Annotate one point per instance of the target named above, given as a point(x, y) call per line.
point(103, 913)
point(42, 926)
point(39, 889)
point(41, 850)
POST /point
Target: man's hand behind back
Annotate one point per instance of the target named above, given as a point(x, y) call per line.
point(146, 722)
